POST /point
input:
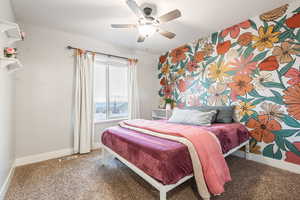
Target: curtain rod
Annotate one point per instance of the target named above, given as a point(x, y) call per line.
point(105, 54)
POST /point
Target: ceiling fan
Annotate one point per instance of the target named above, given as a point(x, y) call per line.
point(147, 24)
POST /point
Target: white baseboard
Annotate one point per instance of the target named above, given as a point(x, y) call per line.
point(6, 183)
point(47, 156)
point(42, 157)
point(271, 162)
point(96, 145)
point(239, 153)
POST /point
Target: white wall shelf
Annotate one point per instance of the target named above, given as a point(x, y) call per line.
point(11, 64)
point(11, 31)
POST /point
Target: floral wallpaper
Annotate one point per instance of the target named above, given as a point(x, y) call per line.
point(254, 65)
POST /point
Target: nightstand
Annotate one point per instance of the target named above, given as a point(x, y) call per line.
point(158, 114)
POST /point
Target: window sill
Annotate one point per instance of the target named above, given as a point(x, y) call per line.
point(109, 121)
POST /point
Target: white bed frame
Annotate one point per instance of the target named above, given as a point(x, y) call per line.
point(163, 189)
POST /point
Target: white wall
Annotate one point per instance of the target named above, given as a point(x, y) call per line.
point(7, 139)
point(44, 88)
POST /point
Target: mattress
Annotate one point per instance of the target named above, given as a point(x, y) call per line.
point(165, 160)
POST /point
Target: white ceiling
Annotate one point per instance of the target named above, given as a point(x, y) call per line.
point(93, 18)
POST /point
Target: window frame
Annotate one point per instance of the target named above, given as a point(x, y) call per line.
point(107, 93)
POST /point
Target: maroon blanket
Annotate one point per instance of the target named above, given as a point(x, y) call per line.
point(165, 160)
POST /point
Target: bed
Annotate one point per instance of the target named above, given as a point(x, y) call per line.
point(165, 163)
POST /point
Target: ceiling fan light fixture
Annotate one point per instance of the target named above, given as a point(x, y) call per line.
point(146, 30)
point(147, 23)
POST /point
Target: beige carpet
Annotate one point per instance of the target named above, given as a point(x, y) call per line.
point(84, 178)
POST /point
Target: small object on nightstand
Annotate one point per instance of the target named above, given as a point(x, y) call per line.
point(168, 106)
point(160, 114)
point(162, 103)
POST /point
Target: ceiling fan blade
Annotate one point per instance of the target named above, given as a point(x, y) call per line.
point(135, 8)
point(167, 34)
point(123, 25)
point(170, 16)
point(141, 39)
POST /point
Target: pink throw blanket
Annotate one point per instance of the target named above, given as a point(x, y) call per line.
point(214, 166)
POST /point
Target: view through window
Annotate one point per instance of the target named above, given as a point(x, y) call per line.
point(110, 91)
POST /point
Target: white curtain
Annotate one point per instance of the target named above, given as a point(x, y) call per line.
point(83, 103)
point(134, 103)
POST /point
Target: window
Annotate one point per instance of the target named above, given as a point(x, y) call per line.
point(110, 91)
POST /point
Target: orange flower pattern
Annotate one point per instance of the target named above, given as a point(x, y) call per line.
point(292, 157)
point(199, 56)
point(241, 85)
point(235, 30)
point(269, 64)
point(262, 128)
point(223, 47)
point(182, 85)
point(292, 99)
point(162, 59)
point(245, 39)
point(274, 14)
point(294, 74)
point(178, 54)
point(294, 21)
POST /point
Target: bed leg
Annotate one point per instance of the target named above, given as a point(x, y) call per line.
point(247, 151)
point(106, 157)
point(162, 195)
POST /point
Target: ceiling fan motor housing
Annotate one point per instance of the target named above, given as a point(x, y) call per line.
point(148, 9)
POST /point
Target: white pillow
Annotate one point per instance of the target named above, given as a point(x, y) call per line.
point(193, 117)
